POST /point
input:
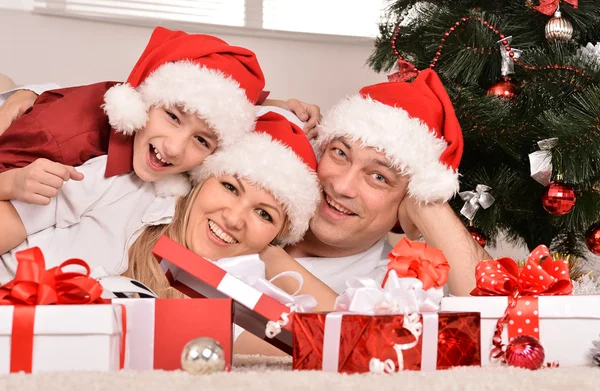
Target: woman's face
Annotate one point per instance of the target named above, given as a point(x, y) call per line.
point(232, 217)
point(172, 142)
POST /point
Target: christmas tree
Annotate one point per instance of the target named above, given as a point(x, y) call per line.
point(524, 80)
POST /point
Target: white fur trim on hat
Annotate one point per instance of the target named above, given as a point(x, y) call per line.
point(215, 97)
point(407, 142)
point(275, 168)
point(173, 185)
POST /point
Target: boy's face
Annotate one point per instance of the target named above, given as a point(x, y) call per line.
point(361, 195)
point(231, 217)
point(172, 142)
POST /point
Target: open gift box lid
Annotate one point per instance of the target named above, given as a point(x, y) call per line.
point(196, 276)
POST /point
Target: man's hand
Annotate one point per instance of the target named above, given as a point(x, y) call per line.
point(408, 207)
point(39, 182)
point(16, 104)
point(306, 112)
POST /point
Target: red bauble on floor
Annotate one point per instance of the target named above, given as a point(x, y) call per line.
point(559, 198)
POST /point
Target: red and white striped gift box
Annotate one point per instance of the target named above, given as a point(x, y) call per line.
point(196, 276)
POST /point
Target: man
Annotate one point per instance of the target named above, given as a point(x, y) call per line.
point(389, 153)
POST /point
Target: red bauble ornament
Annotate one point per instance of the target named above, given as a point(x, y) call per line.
point(525, 351)
point(592, 238)
point(558, 198)
point(478, 235)
point(506, 88)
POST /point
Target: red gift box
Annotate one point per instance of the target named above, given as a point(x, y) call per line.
point(448, 340)
point(198, 277)
point(160, 328)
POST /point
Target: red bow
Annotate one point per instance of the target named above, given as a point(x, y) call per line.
point(406, 71)
point(500, 277)
point(416, 259)
point(34, 285)
point(547, 7)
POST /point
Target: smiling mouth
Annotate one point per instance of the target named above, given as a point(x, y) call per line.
point(218, 232)
point(156, 159)
point(338, 207)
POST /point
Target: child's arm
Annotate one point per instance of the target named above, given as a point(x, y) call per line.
point(37, 183)
point(12, 230)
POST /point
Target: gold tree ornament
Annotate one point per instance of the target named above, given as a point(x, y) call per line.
point(558, 28)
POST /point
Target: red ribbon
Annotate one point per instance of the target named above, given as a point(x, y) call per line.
point(500, 277)
point(406, 71)
point(541, 275)
point(34, 285)
point(548, 7)
point(416, 259)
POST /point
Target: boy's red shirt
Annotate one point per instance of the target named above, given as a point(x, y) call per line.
point(68, 126)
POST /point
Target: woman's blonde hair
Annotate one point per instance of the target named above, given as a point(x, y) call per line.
point(142, 264)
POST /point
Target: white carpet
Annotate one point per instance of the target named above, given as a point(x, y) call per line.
point(254, 373)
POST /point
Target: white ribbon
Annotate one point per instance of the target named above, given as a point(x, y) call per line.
point(480, 198)
point(540, 162)
point(251, 270)
point(399, 296)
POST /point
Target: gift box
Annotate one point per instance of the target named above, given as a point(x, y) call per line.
point(55, 320)
point(49, 338)
point(535, 301)
point(448, 339)
point(160, 328)
point(254, 310)
point(391, 327)
point(567, 325)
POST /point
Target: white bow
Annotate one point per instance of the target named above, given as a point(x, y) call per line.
point(480, 198)
point(540, 162)
point(399, 295)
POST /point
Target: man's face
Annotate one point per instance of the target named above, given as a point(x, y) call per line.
point(362, 194)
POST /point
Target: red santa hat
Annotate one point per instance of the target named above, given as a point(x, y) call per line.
point(414, 124)
point(278, 158)
point(201, 73)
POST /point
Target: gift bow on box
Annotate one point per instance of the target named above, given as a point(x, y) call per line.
point(251, 270)
point(34, 285)
point(416, 259)
point(541, 275)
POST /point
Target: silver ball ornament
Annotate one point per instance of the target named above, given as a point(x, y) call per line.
point(203, 356)
point(558, 28)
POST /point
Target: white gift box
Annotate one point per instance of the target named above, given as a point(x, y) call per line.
point(68, 338)
point(567, 325)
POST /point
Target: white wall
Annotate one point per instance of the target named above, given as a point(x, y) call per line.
point(38, 48)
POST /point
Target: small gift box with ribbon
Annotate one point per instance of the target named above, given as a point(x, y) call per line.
point(260, 307)
point(534, 301)
point(389, 329)
point(41, 328)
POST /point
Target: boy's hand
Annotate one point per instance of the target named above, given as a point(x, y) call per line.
point(307, 112)
point(39, 182)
